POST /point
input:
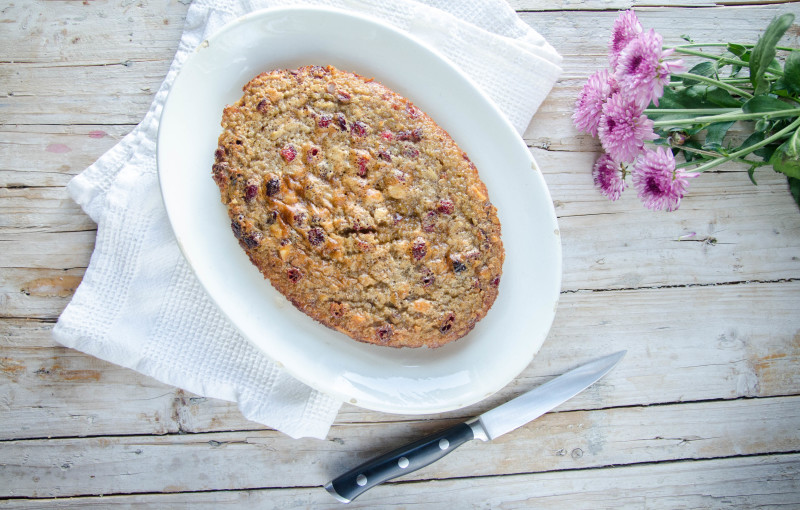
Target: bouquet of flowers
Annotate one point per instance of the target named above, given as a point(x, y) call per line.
point(646, 97)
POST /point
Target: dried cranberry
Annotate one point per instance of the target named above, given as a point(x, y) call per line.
point(273, 186)
point(251, 190)
point(263, 106)
point(219, 154)
point(458, 266)
point(412, 110)
point(341, 121)
point(445, 207)
point(253, 239)
point(419, 248)
point(294, 274)
point(387, 135)
point(311, 155)
point(288, 152)
point(299, 218)
point(362, 166)
point(495, 282)
point(384, 155)
point(271, 218)
point(447, 324)
point(411, 152)
point(358, 128)
point(414, 135)
point(220, 173)
point(343, 96)
point(237, 229)
point(316, 235)
point(324, 120)
point(384, 333)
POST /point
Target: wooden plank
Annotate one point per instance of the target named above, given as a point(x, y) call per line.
point(70, 32)
point(52, 155)
point(769, 481)
point(121, 94)
point(37, 293)
point(51, 250)
point(555, 442)
point(40, 209)
point(739, 340)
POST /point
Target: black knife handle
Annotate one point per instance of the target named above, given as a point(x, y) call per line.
point(398, 462)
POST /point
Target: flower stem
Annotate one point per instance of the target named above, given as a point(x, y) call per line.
point(738, 154)
point(713, 155)
point(709, 45)
point(689, 111)
point(734, 61)
point(727, 60)
point(727, 117)
point(716, 83)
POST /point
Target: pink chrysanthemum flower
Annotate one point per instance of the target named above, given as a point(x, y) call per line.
point(609, 176)
point(642, 71)
point(659, 184)
point(589, 105)
point(623, 128)
point(626, 29)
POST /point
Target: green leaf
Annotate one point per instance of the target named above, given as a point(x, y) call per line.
point(737, 49)
point(707, 69)
point(779, 86)
point(794, 189)
point(786, 159)
point(766, 152)
point(753, 139)
point(764, 104)
point(764, 51)
point(791, 73)
point(715, 133)
point(750, 172)
point(762, 125)
point(722, 98)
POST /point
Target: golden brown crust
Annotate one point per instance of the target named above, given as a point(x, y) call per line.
point(358, 208)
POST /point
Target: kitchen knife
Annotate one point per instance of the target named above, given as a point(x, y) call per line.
point(489, 425)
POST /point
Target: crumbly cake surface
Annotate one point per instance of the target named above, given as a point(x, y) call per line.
point(358, 208)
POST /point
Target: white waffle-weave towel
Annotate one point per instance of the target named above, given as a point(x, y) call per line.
point(139, 304)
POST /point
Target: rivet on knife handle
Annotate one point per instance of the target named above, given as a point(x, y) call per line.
point(399, 462)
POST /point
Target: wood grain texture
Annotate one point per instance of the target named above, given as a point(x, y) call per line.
point(747, 482)
point(703, 412)
point(557, 441)
point(719, 340)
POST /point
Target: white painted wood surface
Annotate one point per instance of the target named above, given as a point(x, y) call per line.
point(704, 412)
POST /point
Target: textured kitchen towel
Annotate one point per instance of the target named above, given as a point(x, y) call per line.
point(139, 304)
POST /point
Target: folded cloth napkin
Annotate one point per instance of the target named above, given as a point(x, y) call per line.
point(140, 305)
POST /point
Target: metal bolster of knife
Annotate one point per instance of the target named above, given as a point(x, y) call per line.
point(478, 431)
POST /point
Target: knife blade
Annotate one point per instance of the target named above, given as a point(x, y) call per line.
point(489, 425)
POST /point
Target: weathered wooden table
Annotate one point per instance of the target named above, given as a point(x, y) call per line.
point(704, 411)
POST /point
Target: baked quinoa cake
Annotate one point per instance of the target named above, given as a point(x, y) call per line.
point(358, 208)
